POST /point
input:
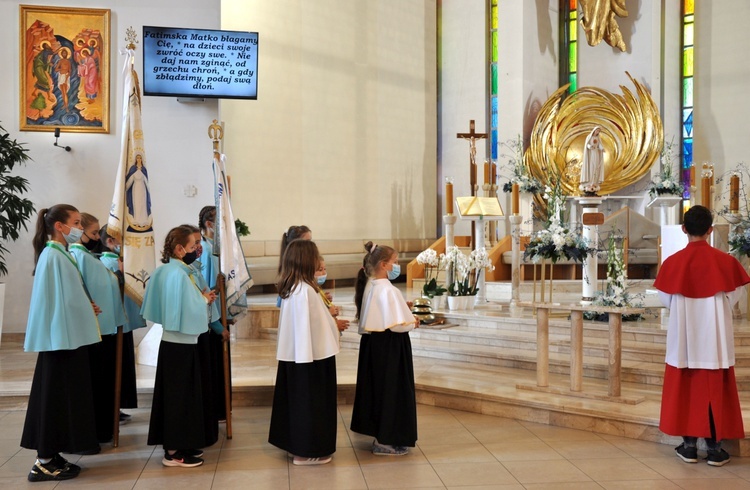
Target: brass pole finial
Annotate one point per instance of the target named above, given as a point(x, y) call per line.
point(216, 133)
point(131, 38)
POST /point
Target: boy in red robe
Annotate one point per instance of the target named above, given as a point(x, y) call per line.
point(700, 284)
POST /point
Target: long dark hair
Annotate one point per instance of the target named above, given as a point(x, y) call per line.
point(298, 265)
point(45, 224)
point(293, 233)
point(207, 213)
point(179, 235)
point(375, 255)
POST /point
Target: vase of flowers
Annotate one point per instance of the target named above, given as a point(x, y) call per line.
point(667, 182)
point(432, 263)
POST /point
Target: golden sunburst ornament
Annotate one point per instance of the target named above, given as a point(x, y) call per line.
point(631, 132)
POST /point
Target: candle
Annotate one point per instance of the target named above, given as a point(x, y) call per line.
point(692, 175)
point(486, 172)
point(734, 193)
point(493, 173)
point(706, 191)
point(515, 201)
point(448, 195)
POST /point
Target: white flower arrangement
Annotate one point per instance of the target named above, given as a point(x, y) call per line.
point(556, 240)
point(519, 173)
point(667, 182)
point(431, 261)
point(466, 270)
point(616, 291)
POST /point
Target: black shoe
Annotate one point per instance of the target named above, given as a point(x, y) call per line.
point(717, 457)
point(687, 454)
point(179, 458)
point(51, 472)
point(196, 453)
point(60, 461)
point(124, 418)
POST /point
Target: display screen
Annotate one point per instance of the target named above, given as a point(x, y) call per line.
point(200, 63)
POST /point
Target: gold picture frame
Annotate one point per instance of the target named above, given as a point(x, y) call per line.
point(64, 69)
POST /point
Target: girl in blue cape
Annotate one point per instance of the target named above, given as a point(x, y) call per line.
point(104, 288)
point(62, 322)
point(174, 300)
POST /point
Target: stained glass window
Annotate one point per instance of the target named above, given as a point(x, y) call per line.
point(569, 44)
point(688, 30)
point(494, 68)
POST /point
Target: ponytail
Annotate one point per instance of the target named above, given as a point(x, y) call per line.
point(45, 223)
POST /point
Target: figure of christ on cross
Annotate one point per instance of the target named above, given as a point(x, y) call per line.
point(472, 136)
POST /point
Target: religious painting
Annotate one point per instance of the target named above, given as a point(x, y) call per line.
point(64, 69)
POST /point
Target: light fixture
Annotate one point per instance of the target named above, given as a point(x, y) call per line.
point(57, 135)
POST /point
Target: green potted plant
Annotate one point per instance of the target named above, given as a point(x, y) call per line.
point(15, 210)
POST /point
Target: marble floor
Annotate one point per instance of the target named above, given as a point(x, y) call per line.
point(456, 449)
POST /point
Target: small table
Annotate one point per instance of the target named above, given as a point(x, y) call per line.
point(576, 349)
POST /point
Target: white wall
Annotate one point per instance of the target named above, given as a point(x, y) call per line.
point(722, 103)
point(342, 137)
point(176, 140)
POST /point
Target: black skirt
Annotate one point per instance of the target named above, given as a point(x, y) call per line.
point(210, 421)
point(217, 374)
point(177, 410)
point(304, 416)
point(102, 362)
point(60, 415)
point(128, 393)
point(385, 404)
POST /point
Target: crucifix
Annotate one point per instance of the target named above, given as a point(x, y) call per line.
point(472, 136)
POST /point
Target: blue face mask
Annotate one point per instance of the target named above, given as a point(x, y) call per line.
point(395, 272)
point(118, 249)
point(74, 236)
point(321, 279)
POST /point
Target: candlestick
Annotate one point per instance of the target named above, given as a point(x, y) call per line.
point(486, 172)
point(734, 193)
point(706, 191)
point(515, 205)
point(493, 173)
point(692, 175)
point(449, 195)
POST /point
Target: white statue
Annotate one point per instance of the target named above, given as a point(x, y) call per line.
point(592, 170)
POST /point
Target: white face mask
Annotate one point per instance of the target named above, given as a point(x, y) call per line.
point(321, 279)
point(74, 236)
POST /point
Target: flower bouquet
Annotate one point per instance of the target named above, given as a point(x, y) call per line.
point(667, 183)
point(739, 239)
point(519, 172)
point(431, 262)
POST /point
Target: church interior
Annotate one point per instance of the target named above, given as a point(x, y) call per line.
point(555, 142)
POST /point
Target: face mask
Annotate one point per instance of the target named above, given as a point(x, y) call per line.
point(190, 257)
point(74, 236)
point(118, 249)
point(321, 279)
point(395, 272)
point(90, 245)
